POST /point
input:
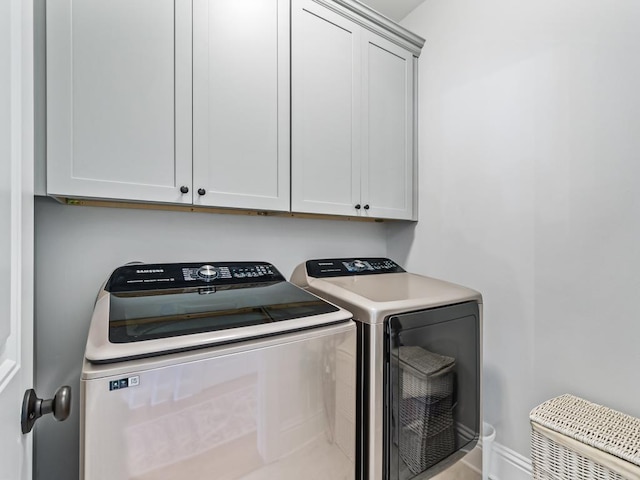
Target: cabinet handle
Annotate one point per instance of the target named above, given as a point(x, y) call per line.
point(366, 207)
point(201, 191)
point(184, 189)
point(358, 207)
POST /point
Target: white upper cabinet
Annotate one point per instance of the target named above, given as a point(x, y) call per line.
point(301, 105)
point(241, 126)
point(326, 63)
point(119, 99)
point(153, 101)
point(387, 130)
point(353, 122)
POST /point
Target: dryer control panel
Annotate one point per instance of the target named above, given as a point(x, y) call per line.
point(342, 267)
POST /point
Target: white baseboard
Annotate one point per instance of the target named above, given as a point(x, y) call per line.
point(507, 464)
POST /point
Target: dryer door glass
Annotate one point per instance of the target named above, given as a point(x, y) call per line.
point(432, 374)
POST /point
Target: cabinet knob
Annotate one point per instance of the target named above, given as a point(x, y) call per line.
point(358, 207)
point(184, 189)
point(366, 207)
point(201, 191)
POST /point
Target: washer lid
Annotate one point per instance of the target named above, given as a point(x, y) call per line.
point(148, 315)
point(152, 309)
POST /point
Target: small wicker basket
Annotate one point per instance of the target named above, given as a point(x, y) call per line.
point(573, 439)
point(426, 407)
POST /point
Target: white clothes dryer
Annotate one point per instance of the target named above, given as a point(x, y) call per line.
point(419, 363)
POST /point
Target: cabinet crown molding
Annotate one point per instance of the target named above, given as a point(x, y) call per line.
point(376, 22)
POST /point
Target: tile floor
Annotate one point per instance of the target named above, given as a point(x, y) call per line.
point(459, 471)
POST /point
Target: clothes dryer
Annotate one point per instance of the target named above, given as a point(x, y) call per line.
point(419, 363)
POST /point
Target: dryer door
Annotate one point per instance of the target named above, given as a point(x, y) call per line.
point(432, 405)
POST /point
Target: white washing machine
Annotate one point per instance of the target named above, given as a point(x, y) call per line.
point(222, 370)
point(419, 363)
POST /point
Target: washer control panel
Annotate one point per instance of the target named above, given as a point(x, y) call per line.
point(244, 272)
point(341, 267)
point(157, 276)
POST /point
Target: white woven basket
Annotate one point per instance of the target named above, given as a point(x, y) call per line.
point(573, 439)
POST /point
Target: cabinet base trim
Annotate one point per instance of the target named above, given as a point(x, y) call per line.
point(216, 210)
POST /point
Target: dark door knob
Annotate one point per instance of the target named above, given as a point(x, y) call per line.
point(366, 207)
point(201, 191)
point(33, 407)
point(358, 207)
point(184, 189)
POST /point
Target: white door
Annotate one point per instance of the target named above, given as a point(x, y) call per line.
point(325, 111)
point(16, 232)
point(387, 129)
point(241, 103)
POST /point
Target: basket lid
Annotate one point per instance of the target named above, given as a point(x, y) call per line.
point(426, 362)
point(595, 425)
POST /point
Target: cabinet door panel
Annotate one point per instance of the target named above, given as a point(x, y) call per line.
point(387, 176)
point(118, 93)
point(241, 103)
point(326, 64)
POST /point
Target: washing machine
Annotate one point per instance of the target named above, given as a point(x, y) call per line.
point(419, 363)
point(216, 370)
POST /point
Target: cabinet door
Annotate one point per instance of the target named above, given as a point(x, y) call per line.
point(325, 93)
point(119, 99)
point(388, 123)
point(241, 103)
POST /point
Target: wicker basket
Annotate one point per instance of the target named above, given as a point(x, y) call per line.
point(426, 407)
point(573, 439)
point(420, 452)
point(424, 373)
point(429, 415)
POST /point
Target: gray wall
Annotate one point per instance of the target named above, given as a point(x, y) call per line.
point(76, 248)
point(529, 116)
point(529, 141)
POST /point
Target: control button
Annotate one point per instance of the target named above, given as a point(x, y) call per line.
point(207, 273)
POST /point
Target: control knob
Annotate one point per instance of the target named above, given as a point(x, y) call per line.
point(358, 265)
point(207, 273)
